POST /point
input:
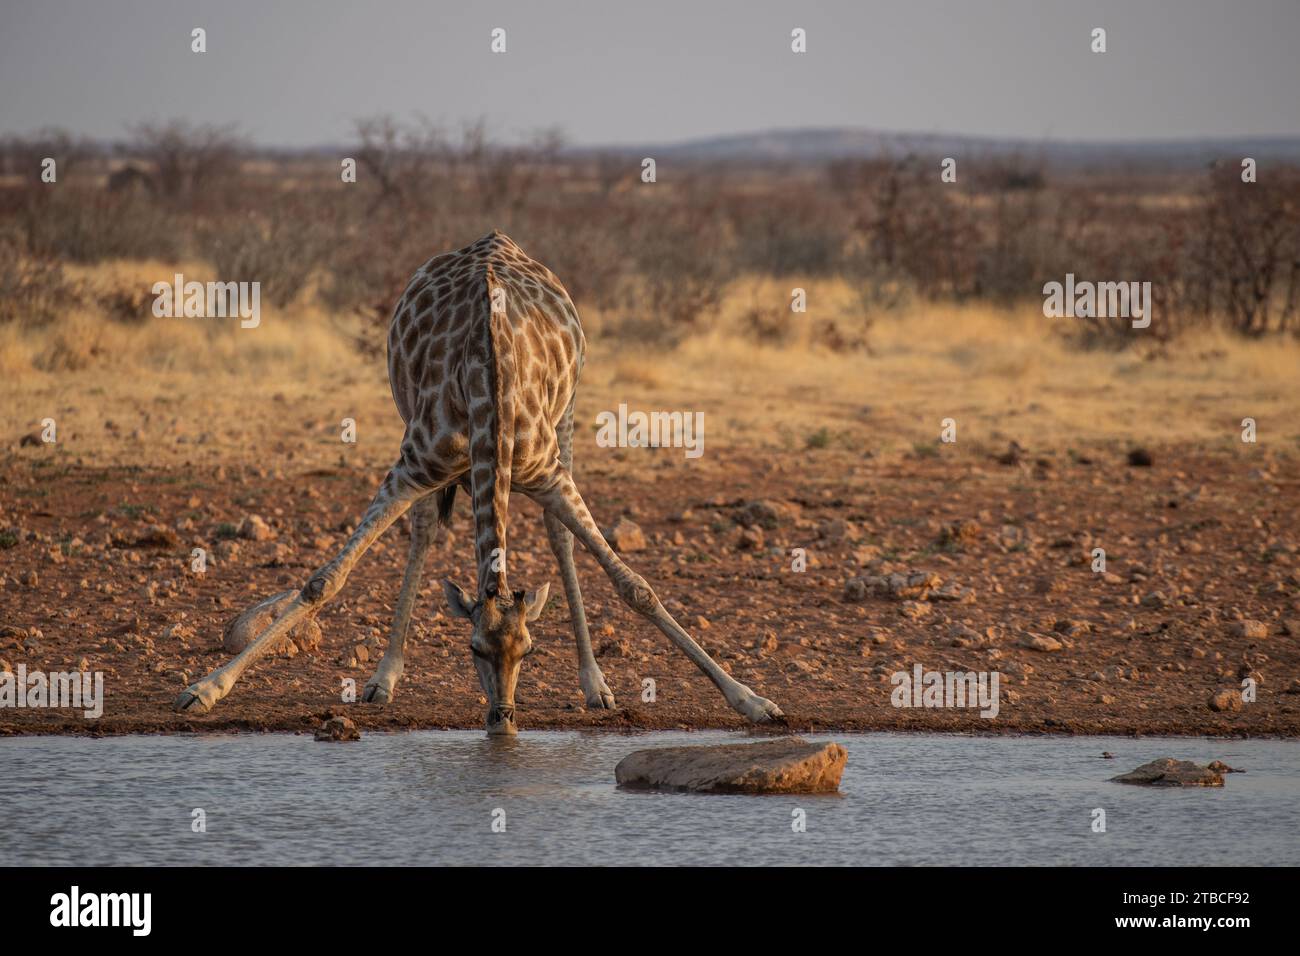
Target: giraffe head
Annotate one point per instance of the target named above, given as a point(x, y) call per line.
point(499, 643)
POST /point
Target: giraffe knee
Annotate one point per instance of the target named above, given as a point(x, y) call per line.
point(638, 594)
point(322, 586)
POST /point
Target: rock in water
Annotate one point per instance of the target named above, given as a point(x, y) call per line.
point(338, 728)
point(1167, 772)
point(787, 765)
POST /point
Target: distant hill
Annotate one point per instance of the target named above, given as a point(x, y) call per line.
point(821, 145)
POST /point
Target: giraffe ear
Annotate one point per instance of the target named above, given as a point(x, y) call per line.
point(534, 601)
point(458, 602)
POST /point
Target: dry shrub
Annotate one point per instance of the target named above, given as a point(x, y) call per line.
point(33, 292)
point(84, 226)
point(272, 252)
point(683, 267)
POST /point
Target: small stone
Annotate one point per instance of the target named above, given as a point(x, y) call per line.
point(1252, 630)
point(338, 728)
point(960, 533)
point(952, 591)
point(155, 536)
point(1140, 458)
point(179, 631)
point(1226, 700)
point(253, 528)
point(837, 529)
point(764, 514)
point(915, 610)
point(1040, 642)
point(625, 536)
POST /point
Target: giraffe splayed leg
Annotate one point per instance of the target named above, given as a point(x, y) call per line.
point(395, 495)
point(590, 678)
point(564, 502)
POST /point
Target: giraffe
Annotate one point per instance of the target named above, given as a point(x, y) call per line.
point(484, 353)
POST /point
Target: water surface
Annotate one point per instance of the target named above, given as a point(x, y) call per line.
point(431, 797)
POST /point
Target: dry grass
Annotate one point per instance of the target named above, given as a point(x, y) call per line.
point(199, 389)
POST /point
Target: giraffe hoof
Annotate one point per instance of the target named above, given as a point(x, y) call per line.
point(597, 692)
point(760, 710)
point(194, 700)
point(601, 701)
point(376, 693)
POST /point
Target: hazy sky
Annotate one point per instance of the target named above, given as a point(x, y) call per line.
point(613, 71)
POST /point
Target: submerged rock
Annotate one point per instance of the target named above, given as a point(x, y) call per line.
point(1167, 772)
point(338, 728)
point(786, 765)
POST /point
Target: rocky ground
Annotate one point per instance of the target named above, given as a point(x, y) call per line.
point(958, 563)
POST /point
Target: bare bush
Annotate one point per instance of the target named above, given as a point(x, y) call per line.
point(33, 292)
point(271, 251)
point(23, 156)
point(400, 158)
point(186, 157)
point(1251, 251)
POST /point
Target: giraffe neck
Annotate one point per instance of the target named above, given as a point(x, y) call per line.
point(490, 521)
point(492, 440)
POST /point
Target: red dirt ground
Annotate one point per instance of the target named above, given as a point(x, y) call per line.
point(1195, 545)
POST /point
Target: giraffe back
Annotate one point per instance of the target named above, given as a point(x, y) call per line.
point(483, 320)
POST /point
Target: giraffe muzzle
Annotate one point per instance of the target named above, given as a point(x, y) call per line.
point(501, 721)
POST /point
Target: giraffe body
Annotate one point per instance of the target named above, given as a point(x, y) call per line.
point(484, 353)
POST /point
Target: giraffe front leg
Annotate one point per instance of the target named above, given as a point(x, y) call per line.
point(393, 498)
point(564, 501)
point(381, 687)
